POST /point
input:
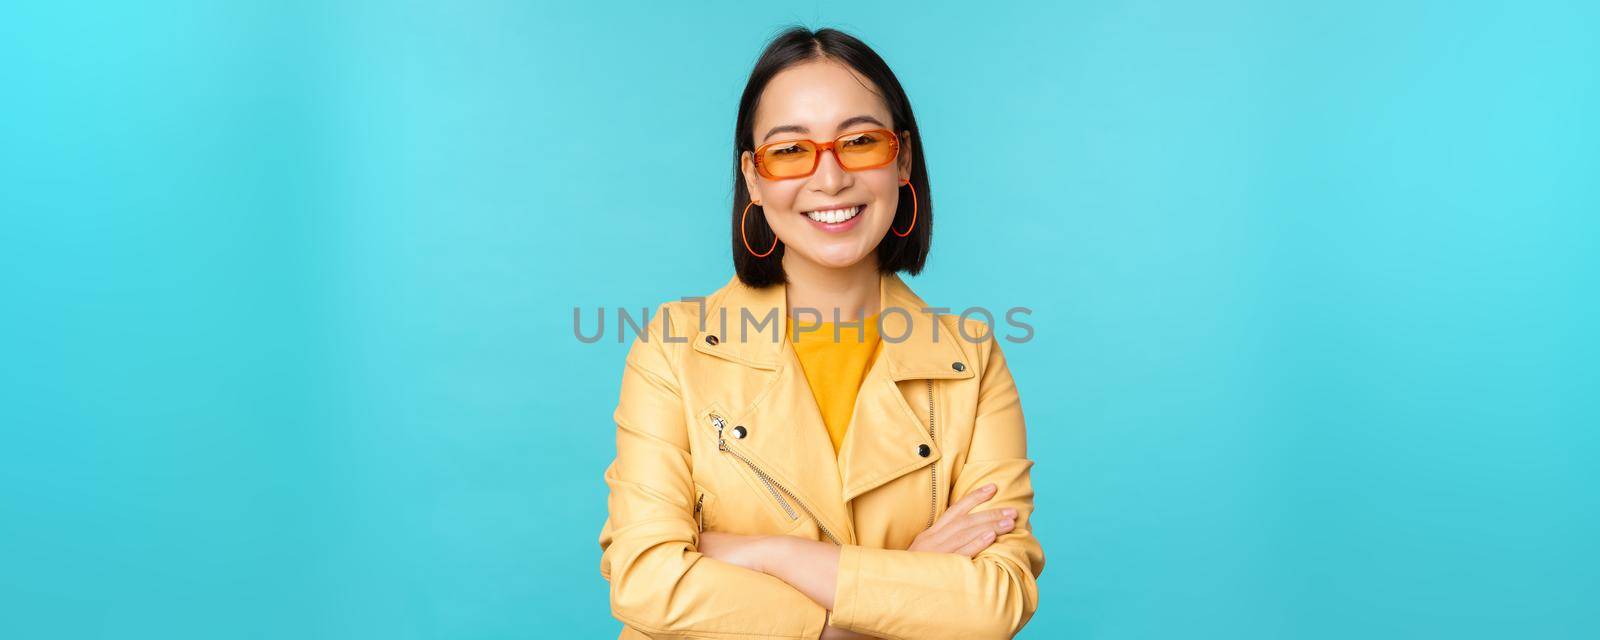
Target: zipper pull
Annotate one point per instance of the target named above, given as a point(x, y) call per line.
point(699, 513)
point(722, 445)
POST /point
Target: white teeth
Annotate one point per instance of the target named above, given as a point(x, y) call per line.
point(831, 216)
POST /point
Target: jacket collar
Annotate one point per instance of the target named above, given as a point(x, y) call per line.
point(748, 324)
point(788, 438)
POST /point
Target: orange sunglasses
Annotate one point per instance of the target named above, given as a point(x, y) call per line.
point(855, 151)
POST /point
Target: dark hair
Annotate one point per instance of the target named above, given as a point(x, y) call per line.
point(793, 46)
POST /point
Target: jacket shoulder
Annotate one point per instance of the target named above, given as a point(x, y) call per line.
point(974, 334)
point(673, 325)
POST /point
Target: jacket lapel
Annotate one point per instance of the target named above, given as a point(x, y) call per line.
point(786, 435)
point(886, 428)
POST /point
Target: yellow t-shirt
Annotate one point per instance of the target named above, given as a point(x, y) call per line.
point(835, 369)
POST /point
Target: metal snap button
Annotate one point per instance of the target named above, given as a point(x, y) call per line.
point(958, 366)
point(711, 340)
point(923, 450)
point(739, 431)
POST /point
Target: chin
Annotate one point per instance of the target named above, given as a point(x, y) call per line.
point(840, 258)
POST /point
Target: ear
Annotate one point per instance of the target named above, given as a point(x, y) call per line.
point(904, 161)
point(747, 166)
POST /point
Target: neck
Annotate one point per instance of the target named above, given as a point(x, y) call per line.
point(851, 292)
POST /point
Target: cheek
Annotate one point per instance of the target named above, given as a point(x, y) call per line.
point(886, 198)
point(779, 200)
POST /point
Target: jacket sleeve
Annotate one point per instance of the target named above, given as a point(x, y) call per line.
point(916, 594)
point(660, 584)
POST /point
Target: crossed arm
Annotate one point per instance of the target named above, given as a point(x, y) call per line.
point(812, 567)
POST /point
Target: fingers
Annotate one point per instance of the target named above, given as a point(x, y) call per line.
point(962, 531)
point(978, 543)
point(965, 504)
point(997, 521)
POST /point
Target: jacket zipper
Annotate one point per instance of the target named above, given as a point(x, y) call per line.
point(700, 513)
point(772, 487)
point(933, 469)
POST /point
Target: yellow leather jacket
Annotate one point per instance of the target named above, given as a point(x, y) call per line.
point(719, 432)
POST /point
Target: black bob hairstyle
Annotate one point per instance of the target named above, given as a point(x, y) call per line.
point(794, 46)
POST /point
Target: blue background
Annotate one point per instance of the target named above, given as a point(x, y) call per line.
point(287, 347)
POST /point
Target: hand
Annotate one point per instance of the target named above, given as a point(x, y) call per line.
point(749, 552)
point(958, 531)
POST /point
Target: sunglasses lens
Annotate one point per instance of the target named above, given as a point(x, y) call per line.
point(790, 160)
point(865, 150)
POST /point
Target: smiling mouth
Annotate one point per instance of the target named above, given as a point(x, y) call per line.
point(834, 215)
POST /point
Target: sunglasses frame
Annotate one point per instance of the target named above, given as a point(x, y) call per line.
point(816, 159)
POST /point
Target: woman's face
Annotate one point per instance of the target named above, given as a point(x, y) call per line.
point(819, 100)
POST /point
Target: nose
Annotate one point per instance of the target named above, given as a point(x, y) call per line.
point(830, 176)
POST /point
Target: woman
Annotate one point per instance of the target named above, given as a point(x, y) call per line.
point(802, 487)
